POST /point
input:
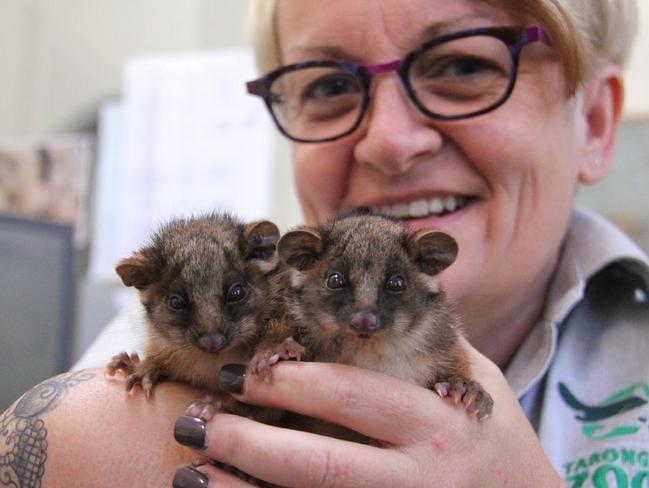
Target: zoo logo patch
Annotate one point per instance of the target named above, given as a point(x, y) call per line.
point(622, 415)
point(596, 419)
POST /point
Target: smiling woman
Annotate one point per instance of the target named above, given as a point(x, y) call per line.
point(480, 119)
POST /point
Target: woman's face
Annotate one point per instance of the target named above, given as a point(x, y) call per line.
point(515, 168)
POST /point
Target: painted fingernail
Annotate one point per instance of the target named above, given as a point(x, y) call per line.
point(232, 378)
point(190, 431)
point(189, 477)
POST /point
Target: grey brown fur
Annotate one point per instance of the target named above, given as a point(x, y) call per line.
point(410, 333)
point(197, 263)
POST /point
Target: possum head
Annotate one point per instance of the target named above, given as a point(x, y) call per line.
point(363, 279)
point(203, 281)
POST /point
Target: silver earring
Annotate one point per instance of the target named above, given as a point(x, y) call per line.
point(599, 162)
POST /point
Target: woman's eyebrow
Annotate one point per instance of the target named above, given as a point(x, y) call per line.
point(436, 29)
point(454, 24)
point(304, 53)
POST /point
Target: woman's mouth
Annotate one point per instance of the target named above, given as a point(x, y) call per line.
point(417, 209)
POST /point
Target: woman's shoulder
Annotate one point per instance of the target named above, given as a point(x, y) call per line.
point(81, 429)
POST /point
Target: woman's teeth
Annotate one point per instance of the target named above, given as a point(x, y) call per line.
point(422, 208)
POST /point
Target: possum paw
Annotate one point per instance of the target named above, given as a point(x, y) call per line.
point(471, 394)
point(146, 381)
point(123, 362)
point(267, 355)
point(205, 408)
point(136, 371)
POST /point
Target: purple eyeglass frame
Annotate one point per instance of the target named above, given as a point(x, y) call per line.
point(514, 37)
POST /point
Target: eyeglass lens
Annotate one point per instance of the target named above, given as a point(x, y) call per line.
point(453, 79)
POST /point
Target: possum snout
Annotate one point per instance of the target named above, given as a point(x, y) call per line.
point(365, 323)
point(213, 342)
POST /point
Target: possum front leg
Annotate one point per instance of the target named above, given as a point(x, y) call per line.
point(276, 344)
point(207, 407)
point(470, 393)
point(145, 372)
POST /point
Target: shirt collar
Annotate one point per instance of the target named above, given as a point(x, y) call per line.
point(591, 244)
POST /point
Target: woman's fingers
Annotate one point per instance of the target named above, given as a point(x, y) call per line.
point(378, 406)
point(206, 476)
point(297, 459)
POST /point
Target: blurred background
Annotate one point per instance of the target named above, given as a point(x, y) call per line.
point(115, 115)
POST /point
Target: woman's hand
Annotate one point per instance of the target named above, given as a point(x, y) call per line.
point(421, 439)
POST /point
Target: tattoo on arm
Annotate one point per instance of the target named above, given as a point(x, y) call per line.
point(23, 435)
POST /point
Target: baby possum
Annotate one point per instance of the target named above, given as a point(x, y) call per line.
point(364, 291)
point(204, 285)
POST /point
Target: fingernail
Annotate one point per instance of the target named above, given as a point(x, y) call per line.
point(232, 378)
point(189, 477)
point(190, 431)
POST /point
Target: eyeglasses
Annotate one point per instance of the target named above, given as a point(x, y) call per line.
point(452, 77)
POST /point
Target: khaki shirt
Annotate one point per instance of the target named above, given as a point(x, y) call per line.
point(582, 374)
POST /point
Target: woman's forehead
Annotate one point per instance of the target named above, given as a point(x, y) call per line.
point(357, 29)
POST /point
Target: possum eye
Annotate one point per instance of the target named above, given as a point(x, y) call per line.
point(335, 281)
point(177, 303)
point(235, 294)
point(395, 284)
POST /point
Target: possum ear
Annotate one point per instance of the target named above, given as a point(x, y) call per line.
point(138, 270)
point(432, 251)
point(259, 240)
point(300, 248)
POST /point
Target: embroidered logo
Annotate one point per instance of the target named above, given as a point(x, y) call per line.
point(602, 421)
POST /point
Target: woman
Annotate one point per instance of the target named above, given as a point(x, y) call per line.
point(486, 134)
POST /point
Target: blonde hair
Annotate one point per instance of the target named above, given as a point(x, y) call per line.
point(583, 32)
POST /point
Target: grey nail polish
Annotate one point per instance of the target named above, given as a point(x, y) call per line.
point(190, 431)
point(189, 477)
point(232, 378)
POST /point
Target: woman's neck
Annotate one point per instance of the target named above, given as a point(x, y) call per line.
point(500, 343)
point(500, 334)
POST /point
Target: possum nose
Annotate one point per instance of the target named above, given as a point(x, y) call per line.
point(365, 322)
point(212, 342)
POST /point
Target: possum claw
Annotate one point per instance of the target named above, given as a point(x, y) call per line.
point(205, 408)
point(475, 399)
point(268, 355)
point(123, 362)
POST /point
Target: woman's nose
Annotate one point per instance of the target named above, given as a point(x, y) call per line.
point(395, 135)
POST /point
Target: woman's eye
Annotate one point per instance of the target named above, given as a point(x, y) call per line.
point(395, 284)
point(177, 303)
point(460, 66)
point(235, 294)
point(330, 86)
point(335, 281)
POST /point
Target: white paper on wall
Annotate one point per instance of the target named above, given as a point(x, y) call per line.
point(185, 140)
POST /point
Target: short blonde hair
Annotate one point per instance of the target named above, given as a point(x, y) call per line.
point(583, 32)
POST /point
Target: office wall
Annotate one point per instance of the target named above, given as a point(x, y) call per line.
point(637, 103)
point(59, 59)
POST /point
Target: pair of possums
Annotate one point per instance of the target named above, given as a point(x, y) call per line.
point(360, 290)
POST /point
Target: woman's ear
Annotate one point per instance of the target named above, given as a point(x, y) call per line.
point(603, 99)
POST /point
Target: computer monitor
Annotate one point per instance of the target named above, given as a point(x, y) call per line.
point(37, 295)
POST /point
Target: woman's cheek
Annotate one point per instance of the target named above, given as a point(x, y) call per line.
point(321, 173)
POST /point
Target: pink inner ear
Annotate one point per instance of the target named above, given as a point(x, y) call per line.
point(435, 250)
point(262, 234)
point(134, 271)
point(300, 246)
